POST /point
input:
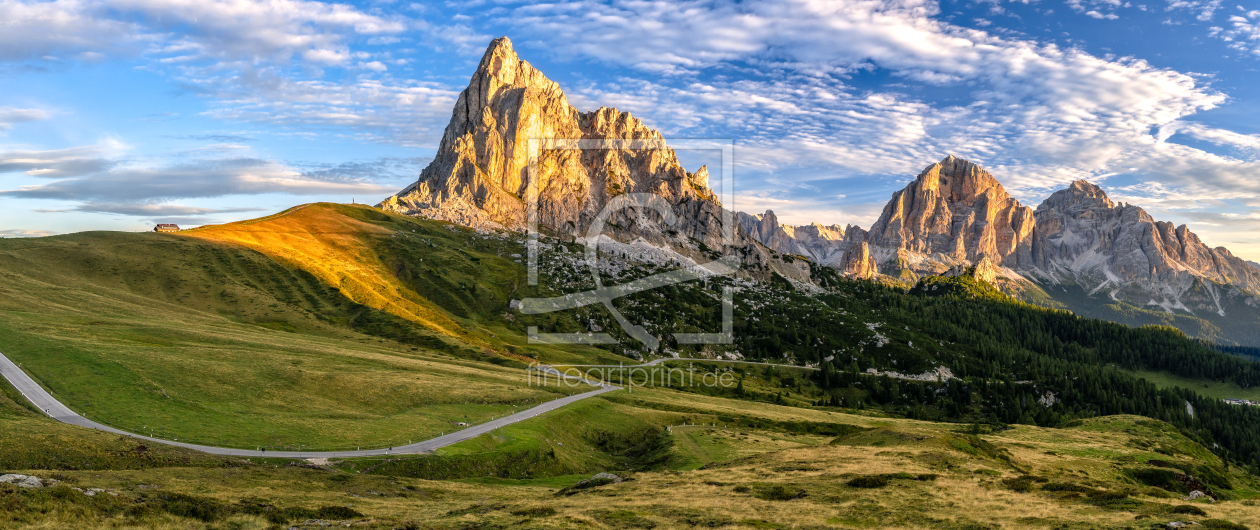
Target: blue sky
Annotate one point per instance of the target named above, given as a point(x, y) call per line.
point(119, 114)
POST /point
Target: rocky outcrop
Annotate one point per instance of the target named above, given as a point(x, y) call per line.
point(858, 261)
point(1122, 250)
point(984, 271)
point(482, 174)
point(955, 213)
point(514, 139)
point(956, 216)
point(822, 244)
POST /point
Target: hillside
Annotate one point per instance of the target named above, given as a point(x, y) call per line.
point(200, 338)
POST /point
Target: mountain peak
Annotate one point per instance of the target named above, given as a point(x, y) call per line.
point(960, 180)
point(1089, 189)
point(957, 209)
point(481, 175)
point(1081, 194)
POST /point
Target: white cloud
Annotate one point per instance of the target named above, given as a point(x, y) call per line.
point(1245, 145)
point(1095, 14)
point(138, 185)
point(1206, 8)
point(150, 209)
point(1244, 32)
point(383, 110)
point(59, 163)
point(11, 115)
point(249, 30)
point(33, 30)
point(1100, 9)
point(20, 232)
point(1044, 105)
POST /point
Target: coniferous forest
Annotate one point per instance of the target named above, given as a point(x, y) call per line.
point(1012, 362)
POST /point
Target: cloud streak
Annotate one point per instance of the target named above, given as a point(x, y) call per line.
point(193, 179)
point(217, 29)
point(59, 163)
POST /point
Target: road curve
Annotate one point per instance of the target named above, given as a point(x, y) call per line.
point(39, 397)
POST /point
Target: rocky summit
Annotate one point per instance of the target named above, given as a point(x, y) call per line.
point(514, 138)
point(1122, 250)
point(482, 174)
point(956, 215)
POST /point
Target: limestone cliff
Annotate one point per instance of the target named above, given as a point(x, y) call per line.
point(1122, 250)
point(822, 244)
point(955, 213)
point(490, 160)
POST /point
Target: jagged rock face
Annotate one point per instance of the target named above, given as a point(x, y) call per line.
point(821, 244)
point(1123, 250)
point(481, 175)
point(984, 271)
point(955, 212)
point(858, 261)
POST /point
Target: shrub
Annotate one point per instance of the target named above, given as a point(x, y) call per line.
point(779, 492)
point(200, 508)
point(1021, 485)
point(337, 513)
point(1188, 509)
point(1059, 486)
point(1157, 477)
point(537, 511)
point(868, 482)
point(1221, 524)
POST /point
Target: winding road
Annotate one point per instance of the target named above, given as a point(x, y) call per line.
point(56, 410)
point(39, 397)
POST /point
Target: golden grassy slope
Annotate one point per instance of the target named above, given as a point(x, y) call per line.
point(338, 249)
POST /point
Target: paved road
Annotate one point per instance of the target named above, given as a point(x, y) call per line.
point(56, 410)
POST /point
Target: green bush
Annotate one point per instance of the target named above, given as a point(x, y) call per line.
point(1221, 524)
point(1188, 509)
point(1157, 477)
point(873, 481)
point(537, 511)
point(337, 512)
point(1021, 485)
point(779, 492)
point(1059, 486)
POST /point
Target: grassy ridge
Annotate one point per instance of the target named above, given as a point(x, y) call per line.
point(113, 324)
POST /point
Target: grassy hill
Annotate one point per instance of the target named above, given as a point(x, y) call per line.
point(204, 339)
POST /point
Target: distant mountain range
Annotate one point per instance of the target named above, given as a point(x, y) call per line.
point(1078, 250)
